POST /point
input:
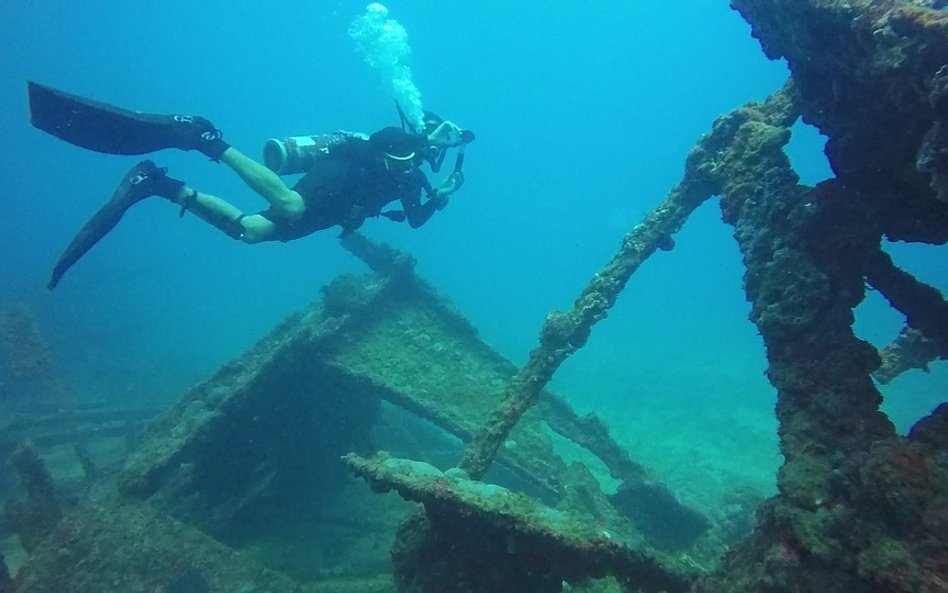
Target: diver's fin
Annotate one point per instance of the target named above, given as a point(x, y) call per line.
point(142, 181)
point(105, 128)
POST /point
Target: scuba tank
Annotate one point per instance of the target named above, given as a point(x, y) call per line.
point(297, 154)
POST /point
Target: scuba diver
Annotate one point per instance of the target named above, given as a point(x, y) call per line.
point(348, 177)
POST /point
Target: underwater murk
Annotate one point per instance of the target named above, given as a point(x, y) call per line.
point(667, 313)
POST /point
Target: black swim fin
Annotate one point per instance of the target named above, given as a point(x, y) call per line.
point(106, 128)
point(142, 181)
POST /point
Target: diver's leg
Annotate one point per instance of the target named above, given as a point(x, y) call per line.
point(283, 200)
point(143, 181)
point(252, 228)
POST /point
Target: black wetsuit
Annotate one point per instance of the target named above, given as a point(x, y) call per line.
point(350, 184)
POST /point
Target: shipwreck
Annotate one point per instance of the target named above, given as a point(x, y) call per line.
point(426, 460)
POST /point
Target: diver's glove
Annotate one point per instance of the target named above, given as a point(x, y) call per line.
point(446, 134)
point(452, 184)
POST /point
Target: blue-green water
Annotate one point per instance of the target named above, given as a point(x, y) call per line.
point(584, 117)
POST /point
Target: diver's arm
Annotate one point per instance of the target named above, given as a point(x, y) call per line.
point(446, 134)
point(417, 213)
point(450, 185)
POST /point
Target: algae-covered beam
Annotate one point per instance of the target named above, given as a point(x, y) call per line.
point(872, 77)
point(909, 350)
point(924, 306)
point(588, 432)
point(71, 426)
point(850, 516)
point(530, 545)
point(802, 249)
point(381, 258)
point(591, 433)
point(564, 333)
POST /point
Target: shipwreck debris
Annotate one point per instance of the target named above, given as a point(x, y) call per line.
point(386, 336)
point(113, 544)
point(6, 582)
point(36, 516)
point(909, 350)
point(50, 426)
point(659, 513)
point(866, 74)
point(924, 307)
point(244, 443)
point(518, 543)
point(26, 360)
